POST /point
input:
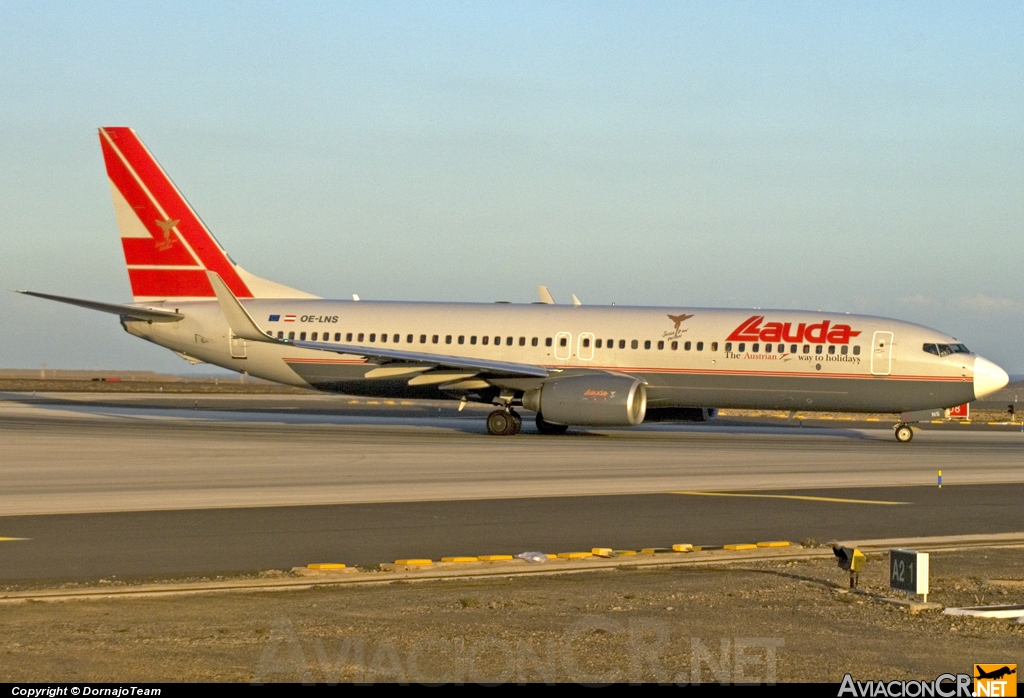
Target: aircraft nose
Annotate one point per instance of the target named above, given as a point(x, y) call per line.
point(988, 377)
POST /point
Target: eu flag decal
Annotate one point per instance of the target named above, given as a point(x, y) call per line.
point(274, 318)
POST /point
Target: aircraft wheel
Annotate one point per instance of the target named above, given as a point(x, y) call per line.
point(904, 433)
point(500, 423)
point(546, 427)
point(517, 422)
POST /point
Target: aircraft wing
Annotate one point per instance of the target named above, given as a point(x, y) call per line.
point(131, 311)
point(243, 326)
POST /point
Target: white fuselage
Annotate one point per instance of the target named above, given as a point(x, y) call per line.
point(688, 357)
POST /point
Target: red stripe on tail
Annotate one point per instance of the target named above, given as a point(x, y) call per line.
point(170, 221)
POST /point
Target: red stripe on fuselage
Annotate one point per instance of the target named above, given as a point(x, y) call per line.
point(174, 206)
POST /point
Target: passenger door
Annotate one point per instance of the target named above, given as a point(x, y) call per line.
point(881, 354)
point(585, 346)
point(563, 345)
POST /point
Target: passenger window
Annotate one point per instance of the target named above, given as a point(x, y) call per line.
point(597, 343)
point(302, 336)
point(647, 344)
point(447, 339)
point(687, 346)
point(313, 338)
point(533, 342)
point(768, 348)
point(508, 341)
point(700, 346)
point(782, 348)
point(547, 341)
point(742, 347)
point(792, 348)
point(337, 336)
point(397, 338)
point(291, 335)
point(497, 341)
point(856, 350)
point(714, 346)
point(462, 339)
point(562, 341)
point(384, 337)
point(280, 335)
point(622, 344)
point(844, 349)
point(360, 336)
point(634, 344)
point(586, 342)
point(373, 336)
point(423, 339)
point(807, 348)
point(817, 349)
point(486, 340)
point(472, 340)
point(675, 346)
point(756, 348)
point(728, 346)
point(831, 348)
point(434, 339)
point(522, 341)
point(661, 345)
point(408, 339)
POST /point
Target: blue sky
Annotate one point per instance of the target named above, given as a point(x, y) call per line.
point(796, 155)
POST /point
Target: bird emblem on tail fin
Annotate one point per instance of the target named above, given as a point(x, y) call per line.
point(167, 226)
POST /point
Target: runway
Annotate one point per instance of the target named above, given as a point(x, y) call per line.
point(127, 486)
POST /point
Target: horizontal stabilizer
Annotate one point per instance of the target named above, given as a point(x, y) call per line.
point(131, 311)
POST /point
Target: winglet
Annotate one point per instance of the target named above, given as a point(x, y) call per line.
point(545, 295)
point(241, 323)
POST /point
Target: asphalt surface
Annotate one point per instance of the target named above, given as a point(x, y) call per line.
point(107, 487)
point(220, 541)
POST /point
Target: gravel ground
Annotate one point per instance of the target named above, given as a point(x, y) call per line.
point(783, 621)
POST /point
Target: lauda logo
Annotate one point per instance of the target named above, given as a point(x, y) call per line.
point(818, 333)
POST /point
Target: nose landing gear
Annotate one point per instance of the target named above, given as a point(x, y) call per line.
point(504, 423)
point(904, 433)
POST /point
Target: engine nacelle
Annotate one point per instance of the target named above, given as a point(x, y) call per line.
point(599, 400)
point(681, 414)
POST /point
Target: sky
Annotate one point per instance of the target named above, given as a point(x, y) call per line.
point(864, 157)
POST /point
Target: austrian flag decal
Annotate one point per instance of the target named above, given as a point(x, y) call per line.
point(823, 332)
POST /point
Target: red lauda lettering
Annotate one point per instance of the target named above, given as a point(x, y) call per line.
point(817, 333)
point(798, 337)
point(841, 334)
point(748, 331)
point(772, 332)
point(820, 333)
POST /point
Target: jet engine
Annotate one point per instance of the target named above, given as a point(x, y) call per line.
point(681, 414)
point(597, 400)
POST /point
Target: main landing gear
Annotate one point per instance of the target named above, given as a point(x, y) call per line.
point(904, 433)
point(504, 423)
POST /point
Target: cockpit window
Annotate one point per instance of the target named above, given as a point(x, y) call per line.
point(946, 349)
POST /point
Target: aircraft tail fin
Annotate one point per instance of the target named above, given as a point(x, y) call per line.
point(167, 247)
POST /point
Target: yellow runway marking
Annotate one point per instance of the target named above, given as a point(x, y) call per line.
point(2, 538)
point(790, 496)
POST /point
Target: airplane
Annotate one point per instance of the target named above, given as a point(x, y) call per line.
point(573, 365)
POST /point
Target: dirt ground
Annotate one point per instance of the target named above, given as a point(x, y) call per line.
point(757, 622)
